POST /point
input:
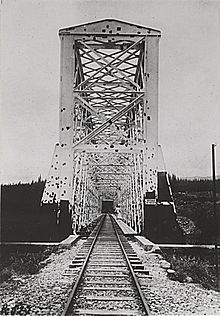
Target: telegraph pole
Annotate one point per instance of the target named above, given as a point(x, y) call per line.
point(215, 215)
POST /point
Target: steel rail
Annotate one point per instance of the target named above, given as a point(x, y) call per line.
point(74, 289)
point(137, 285)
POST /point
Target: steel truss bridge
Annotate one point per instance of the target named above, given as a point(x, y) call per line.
point(108, 135)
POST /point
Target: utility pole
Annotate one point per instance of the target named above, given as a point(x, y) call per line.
point(215, 215)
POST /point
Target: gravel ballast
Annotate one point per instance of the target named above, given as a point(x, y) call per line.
point(46, 292)
point(168, 297)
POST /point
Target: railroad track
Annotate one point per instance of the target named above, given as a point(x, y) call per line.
point(107, 284)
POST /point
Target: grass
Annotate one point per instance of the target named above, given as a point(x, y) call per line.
point(23, 260)
point(197, 264)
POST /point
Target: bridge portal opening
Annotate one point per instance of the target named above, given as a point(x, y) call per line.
point(107, 206)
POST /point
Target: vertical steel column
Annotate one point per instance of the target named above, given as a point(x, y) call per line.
point(151, 118)
point(67, 67)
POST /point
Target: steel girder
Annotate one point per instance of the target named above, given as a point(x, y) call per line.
point(108, 121)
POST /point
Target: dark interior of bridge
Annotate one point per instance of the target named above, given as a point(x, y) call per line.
point(107, 206)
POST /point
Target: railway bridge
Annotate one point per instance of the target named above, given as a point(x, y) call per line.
point(108, 157)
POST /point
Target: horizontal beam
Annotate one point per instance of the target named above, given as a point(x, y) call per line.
point(102, 35)
point(116, 172)
point(108, 165)
point(108, 91)
point(107, 45)
point(102, 148)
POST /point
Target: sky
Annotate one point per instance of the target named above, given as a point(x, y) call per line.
point(189, 79)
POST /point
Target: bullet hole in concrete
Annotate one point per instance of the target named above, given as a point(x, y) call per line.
point(51, 166)
point(65, 178)
point(118, 28)
point(139, 32)
point(110, 32)
point(51, 177)
point(107, 26)
point(112, 146)
point(64, 164)
point(145, 114)
point(56, 162)
point(103, 30)
point(85, 29)
point(148, 108)
point(67, 127)
point(116, 150)
point(62, 129)
point(105, 147)
point(62, 145)
point(64, 191)
point(148, 75)
point(148, 118)
point(56, 155)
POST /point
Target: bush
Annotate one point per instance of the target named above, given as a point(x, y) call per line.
point(199, 267)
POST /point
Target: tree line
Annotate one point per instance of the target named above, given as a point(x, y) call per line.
point(22, 217)
point(194, 185)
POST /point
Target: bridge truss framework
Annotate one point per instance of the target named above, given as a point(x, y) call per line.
point(108, 133)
